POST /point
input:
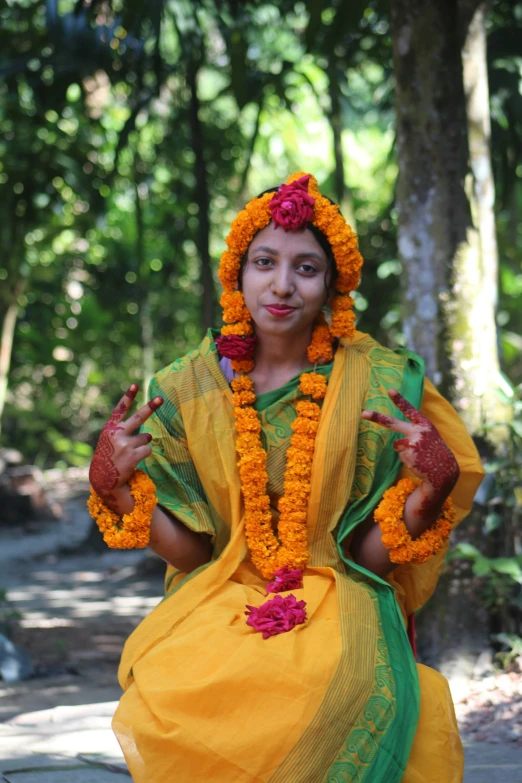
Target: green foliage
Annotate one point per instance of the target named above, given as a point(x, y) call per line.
point(101, 219)
point(99, 215)
point(489, 566)
point(513, 653)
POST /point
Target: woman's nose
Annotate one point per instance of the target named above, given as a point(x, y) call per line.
point(282, 283)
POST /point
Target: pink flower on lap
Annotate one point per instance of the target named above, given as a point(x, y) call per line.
point(278, 615)
point(285, 579)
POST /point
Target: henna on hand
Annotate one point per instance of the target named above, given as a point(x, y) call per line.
point(433, 460)
point(380, 418)
point(103, 473)
point(424, 452)
point(118, 451)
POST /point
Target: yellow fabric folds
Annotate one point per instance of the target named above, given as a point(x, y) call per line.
point(206, 698)
point(436, 755)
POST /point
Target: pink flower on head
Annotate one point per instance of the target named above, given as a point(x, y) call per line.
point(292, 207)
point(235, 347)
point(278, 615)
point(285, 579)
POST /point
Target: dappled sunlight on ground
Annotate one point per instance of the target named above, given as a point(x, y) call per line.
point(45, 594)
point(52, 738)
point(491, 711)
point(75, 613)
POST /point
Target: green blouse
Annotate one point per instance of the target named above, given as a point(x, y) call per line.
point(267, 399)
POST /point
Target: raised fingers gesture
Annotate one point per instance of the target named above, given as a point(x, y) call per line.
point(119, 451)
point(421, 449)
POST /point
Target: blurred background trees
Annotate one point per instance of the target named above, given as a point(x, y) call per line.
point(132, 132)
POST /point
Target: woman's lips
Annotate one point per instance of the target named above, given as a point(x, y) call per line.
point(280, 311)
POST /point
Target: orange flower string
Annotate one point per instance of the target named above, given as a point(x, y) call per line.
point(234, 308)
point(132, 530)
point(320, 348)
point(243, 329)
point(395, 535)
point(268, 553)
point(343, 317)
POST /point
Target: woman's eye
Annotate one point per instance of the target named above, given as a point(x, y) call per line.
point(308, 269)
point(262, 261)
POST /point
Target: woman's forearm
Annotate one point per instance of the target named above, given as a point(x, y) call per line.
point(169, 538)
point(176, 543)
point(421, 510)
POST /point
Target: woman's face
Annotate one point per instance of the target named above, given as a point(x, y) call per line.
point(284, 280)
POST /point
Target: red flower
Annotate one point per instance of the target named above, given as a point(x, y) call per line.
point(235, 347)
point(278, 615)
point(285, 579)
point(293, 207)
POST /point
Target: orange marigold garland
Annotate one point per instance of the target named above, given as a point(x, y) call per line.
point(269, 554)
point(240, 329)
point(313, 384)
point(282, 560)
point(132, 531)
point(320, 348)
point(395, 535)
point(343, 317)
point(234, 308)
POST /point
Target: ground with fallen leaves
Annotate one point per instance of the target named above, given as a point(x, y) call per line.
point(492, 709)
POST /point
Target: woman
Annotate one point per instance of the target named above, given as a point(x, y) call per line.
point(280, 651)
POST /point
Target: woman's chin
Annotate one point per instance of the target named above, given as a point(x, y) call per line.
point(278, 327)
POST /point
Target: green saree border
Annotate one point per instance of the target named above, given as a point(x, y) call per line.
point(379, 463)
point(378, 469)
point(396, 744)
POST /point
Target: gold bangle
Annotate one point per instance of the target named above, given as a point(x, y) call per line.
point(389, 515)
point(132, 531)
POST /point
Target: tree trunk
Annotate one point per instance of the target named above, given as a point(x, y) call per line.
point(6, 345)
point(202, 198)
point(251, 148)
point(342, 193)
point(146, 323)
point(434, 212)
point(449, 280)
point(147, 343)
point(476, 275)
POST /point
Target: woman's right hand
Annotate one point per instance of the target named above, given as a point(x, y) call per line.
point(119, 451)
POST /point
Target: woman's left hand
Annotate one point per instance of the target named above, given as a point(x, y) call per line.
point(424, 452)
point(421, 449)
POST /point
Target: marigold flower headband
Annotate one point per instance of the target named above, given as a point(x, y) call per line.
point(293, 206)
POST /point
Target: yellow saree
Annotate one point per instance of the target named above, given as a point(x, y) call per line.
point(339, 698)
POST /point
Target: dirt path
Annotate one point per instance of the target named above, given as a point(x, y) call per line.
point(76, 610)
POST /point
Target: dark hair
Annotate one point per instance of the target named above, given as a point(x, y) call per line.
point(331, 272)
